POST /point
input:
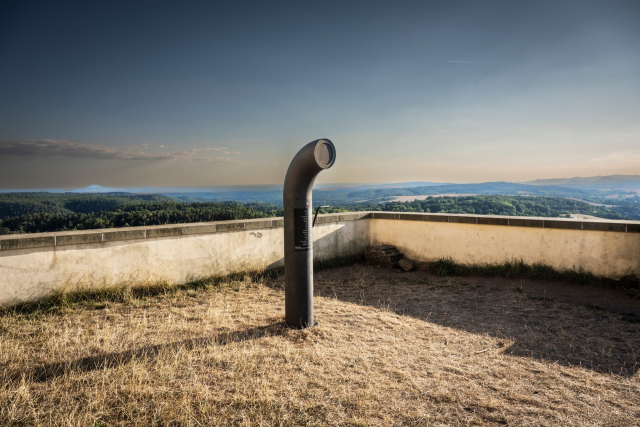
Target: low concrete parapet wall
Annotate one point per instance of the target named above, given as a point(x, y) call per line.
point(33, 265)
point(604, 248)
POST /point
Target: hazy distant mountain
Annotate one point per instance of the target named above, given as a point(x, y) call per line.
point(584, 188)
point(97, 189)
point(405, 184)
point(601, 182)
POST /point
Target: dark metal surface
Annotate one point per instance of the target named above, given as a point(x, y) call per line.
point(298, 240)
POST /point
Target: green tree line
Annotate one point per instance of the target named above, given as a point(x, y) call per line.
point(505, 205)
point(136, 215)
point(45, 212)
point(18, 204)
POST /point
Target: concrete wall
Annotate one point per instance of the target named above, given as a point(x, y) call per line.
point(33, 265)
point(604, 253)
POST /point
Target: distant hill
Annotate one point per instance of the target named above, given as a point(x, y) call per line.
point(97, 189)
point(383, 192)
point(595, 182)
point(403, 184)
point(347, 196)
point(613, 189)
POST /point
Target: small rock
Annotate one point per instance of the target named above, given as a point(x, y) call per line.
point(405, 264)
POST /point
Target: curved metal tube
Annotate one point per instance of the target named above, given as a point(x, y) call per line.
point(312, 159)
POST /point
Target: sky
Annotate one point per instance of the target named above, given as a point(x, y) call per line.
point(179, 93)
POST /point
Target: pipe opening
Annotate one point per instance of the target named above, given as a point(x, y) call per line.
point(325, 154)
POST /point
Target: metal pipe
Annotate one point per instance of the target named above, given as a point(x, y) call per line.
point(312, 159)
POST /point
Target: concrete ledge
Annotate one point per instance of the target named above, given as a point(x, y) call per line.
point(78, 238)
point(389, 215)
point(164, 232)
point(408, 217)
point(200, 228)
point(222, 227)
point(82, 237)
point(515, 221)
point(604, 226)
point(492, 220)
point(435, 218)
point(123, 234)
point(65, 238)
point(258, 224)
point(526, 222)
point(633, 228)
point(27, 241)
point(463, 219)
point(568, 225)
point(348, 216)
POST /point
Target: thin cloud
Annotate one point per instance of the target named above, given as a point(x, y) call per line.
point(470, 62)
point(47, 148)
point(618, 158)
point(216, 160)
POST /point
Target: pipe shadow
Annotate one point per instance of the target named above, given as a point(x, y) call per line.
point(45, 372)
point(560, 332)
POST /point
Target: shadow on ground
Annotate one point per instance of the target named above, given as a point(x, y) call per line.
point(562, 331)
point(111, 360)
point(558, 331)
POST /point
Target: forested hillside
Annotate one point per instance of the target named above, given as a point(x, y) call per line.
point(374, 194)
point(17, 204)
point(133, 213)
point(42, 212)
point(505, 205)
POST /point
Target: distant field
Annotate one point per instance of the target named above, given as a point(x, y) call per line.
point(591, 203)
point(626, 196)
point(581, 216)
point(412, 198)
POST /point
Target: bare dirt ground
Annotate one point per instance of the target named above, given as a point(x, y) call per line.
point(392, 349)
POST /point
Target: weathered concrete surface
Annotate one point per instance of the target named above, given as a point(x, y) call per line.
point(605, 253)
point(34, 272)
point(33, 265)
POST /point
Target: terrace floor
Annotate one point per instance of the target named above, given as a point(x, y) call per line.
point(392, 348)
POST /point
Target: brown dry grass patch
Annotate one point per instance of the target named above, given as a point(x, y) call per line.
point(391, 349)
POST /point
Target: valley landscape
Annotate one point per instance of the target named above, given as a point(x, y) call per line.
point(608, 197)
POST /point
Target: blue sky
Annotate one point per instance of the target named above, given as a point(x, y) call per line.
point(213, 93)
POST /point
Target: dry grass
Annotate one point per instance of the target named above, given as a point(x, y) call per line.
point(391, 349)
